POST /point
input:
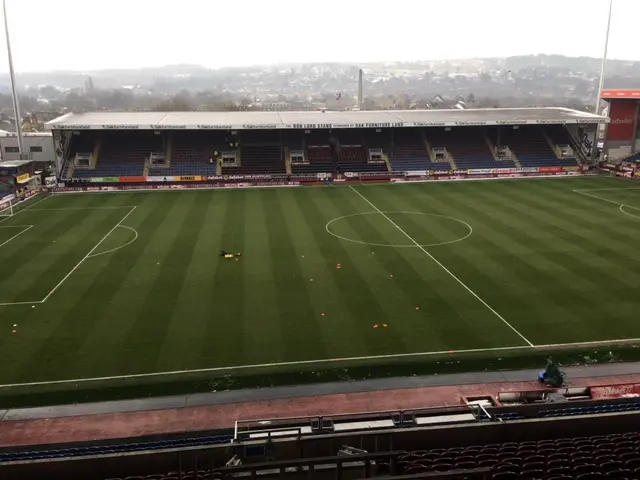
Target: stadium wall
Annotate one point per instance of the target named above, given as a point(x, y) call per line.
point(622, 129)
point(266, 181)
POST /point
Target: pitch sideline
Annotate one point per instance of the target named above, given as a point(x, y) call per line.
point(338, 361)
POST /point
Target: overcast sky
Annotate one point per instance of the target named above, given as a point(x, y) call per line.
point(97, 34)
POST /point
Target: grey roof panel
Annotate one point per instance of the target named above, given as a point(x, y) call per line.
point(319, 119)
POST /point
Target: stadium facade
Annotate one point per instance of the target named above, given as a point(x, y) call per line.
point(622, 137)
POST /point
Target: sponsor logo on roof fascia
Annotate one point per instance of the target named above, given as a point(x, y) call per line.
point(470, 123)
point(71, 127)
point(429, 124)
point(512, 122)
point(214, 127)
point(121, 127)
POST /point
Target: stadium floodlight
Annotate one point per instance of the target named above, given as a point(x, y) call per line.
point(12, 75)
point(604, 60)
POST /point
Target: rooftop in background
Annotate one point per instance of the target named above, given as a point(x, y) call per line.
point(14, 163)
point(318, 119)
point(621, 93)
point(5, 133)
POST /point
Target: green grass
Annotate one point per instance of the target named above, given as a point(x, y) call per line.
point(558, 266)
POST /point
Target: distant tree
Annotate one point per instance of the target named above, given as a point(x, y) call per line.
point(174, 104)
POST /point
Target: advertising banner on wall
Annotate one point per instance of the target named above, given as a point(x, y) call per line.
point(132, 179)
point(24, 178)
point(161, 179)
point(192, 178)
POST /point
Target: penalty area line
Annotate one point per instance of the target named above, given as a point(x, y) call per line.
point(25, 208)
point(87, 256)
point(25, 228)
point(451, 274)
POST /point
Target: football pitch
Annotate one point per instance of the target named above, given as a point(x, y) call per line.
point(129, 286)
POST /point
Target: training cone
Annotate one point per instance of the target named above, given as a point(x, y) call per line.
point(375, 326)
point(384, 325)
point(14, 331)
point(323, 314)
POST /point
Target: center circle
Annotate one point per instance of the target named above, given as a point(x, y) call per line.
point(455, 228)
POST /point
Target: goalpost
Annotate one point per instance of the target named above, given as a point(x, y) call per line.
point(6, 208)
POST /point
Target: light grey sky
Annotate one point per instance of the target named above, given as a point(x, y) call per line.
point(97, 34)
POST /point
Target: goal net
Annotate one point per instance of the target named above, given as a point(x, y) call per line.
point(6, 208)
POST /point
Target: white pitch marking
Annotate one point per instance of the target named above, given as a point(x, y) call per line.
point(26, 208)
point(583, 192)
point(339, 361)
point(121, 246)
point(329, 231)
point(9, 304)
point(51, 292)
point(25, 228)
point(627, 213)
point(444, 268)
point(605, 189)
point(79, 208)
point(263, 365)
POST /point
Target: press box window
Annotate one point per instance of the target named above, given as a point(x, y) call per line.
point(36, 149)
point(11, 150)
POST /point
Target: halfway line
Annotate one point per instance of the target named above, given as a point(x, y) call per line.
point(409, 237)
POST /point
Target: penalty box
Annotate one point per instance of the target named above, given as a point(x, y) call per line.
point(52, 242)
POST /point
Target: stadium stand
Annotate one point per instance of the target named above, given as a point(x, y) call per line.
point(80, 144)
point(320, 160)
point(410, 153)
point(191, 152)
point(633, 158)
point(261, 152)
point(123, 155)
point(318, 153)
point(532, 149)
point(468, 148)
point(367, 142)
point(568, 439)
point(352, 154)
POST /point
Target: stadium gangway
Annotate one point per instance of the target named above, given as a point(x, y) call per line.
point(340, 463)
point(355, 422)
